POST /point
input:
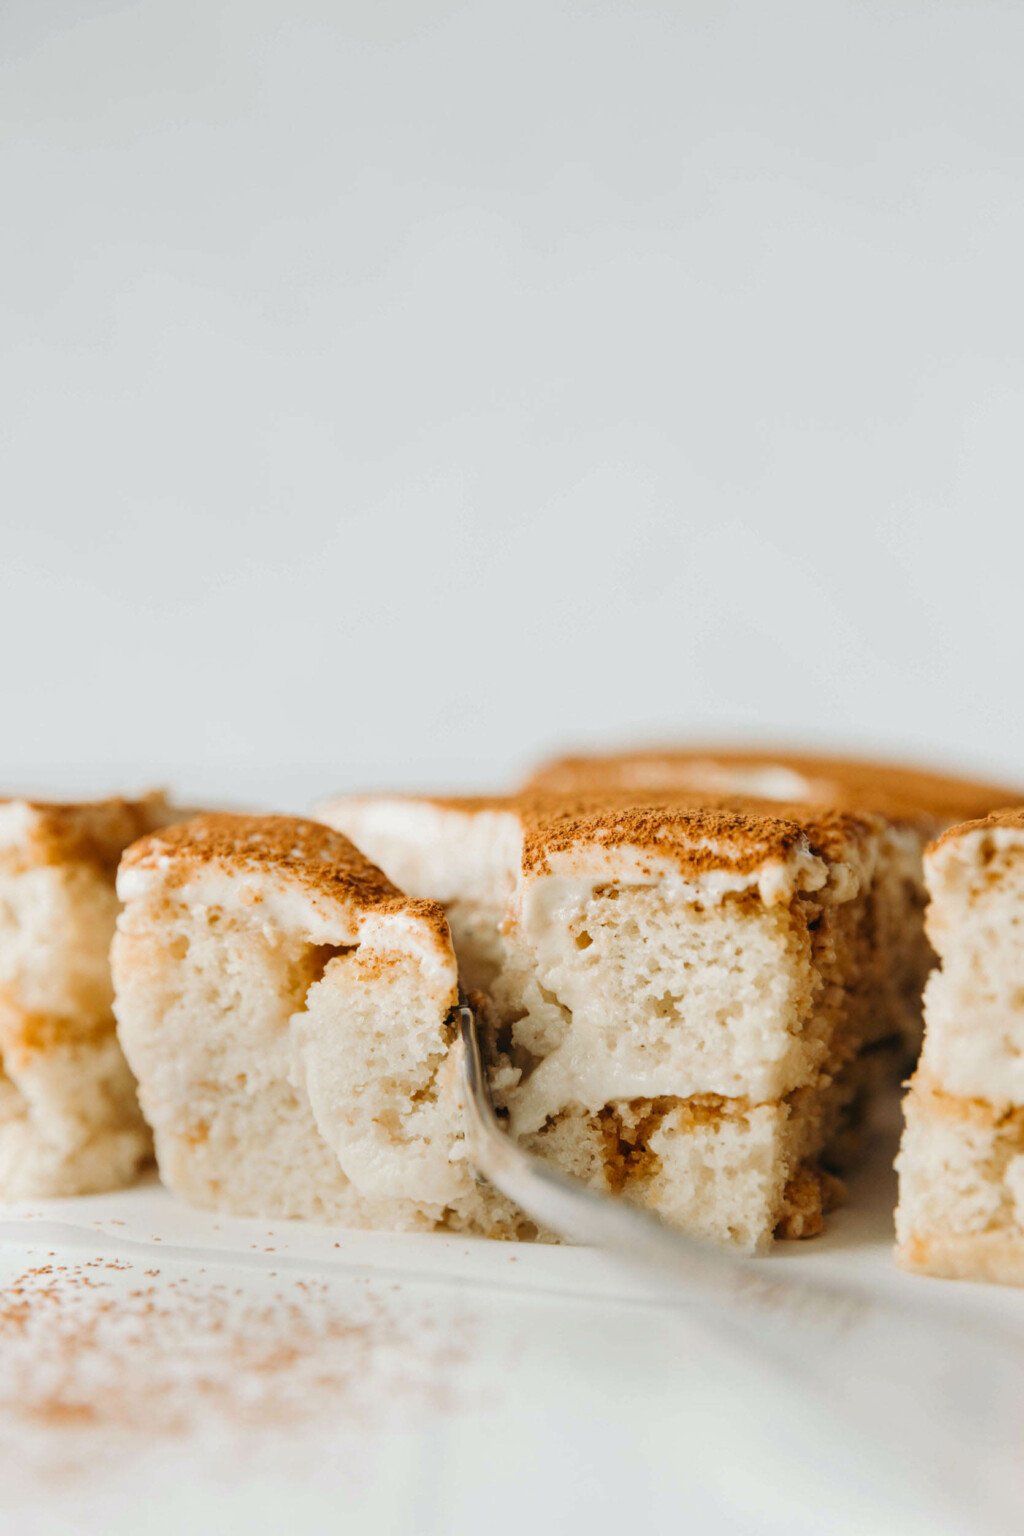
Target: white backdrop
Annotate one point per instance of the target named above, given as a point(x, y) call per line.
point(393, 391)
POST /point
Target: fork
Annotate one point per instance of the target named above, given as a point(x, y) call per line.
point(942, 1400)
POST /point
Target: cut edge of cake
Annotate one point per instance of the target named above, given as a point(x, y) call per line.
point(288, 1015)
point(69, 1117)
point(961, 1162)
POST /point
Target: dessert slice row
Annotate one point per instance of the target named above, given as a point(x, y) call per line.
point(678, 1008)
point(688, 996)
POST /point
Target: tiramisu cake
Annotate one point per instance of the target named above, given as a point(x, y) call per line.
point(903, 793)
point(915, 806)
point(69, 1117)
point(286, 1011)
point(692, 994)
point(961, 1164)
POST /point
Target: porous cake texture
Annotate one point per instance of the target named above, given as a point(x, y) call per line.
point(69, 1117)
point(682, 999)
point(287, 1013)
point(961, 1162)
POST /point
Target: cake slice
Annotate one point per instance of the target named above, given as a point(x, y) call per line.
point(684, 1002)
point(287, 1013)
point(900, 791)
point(69, 1118)
point(961, 1163)
point(680, 998)
point(915, 804)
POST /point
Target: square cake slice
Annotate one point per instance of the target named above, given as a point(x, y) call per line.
point(69, 1117)
point(916, 804)
point(682, 1000)
point(683, 1004)
point(286, 1011)
point(961, 1162)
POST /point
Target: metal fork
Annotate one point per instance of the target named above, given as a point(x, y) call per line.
point(566, 1206)
point(946, 1394)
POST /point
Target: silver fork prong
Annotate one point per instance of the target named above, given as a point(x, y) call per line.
point(568, 1207)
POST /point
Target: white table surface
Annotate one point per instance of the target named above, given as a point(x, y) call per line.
point(254, 1376)
point(334, 334)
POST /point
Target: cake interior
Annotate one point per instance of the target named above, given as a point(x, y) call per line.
point(288, 1015)
point(204, 999)
point(961, 1162)
point(69, 1117)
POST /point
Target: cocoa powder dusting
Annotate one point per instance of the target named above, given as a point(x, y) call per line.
point(103, 1349)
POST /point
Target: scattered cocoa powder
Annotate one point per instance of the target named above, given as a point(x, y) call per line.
point(101, 1346)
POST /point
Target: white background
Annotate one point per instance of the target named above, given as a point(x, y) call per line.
point(394, 391)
